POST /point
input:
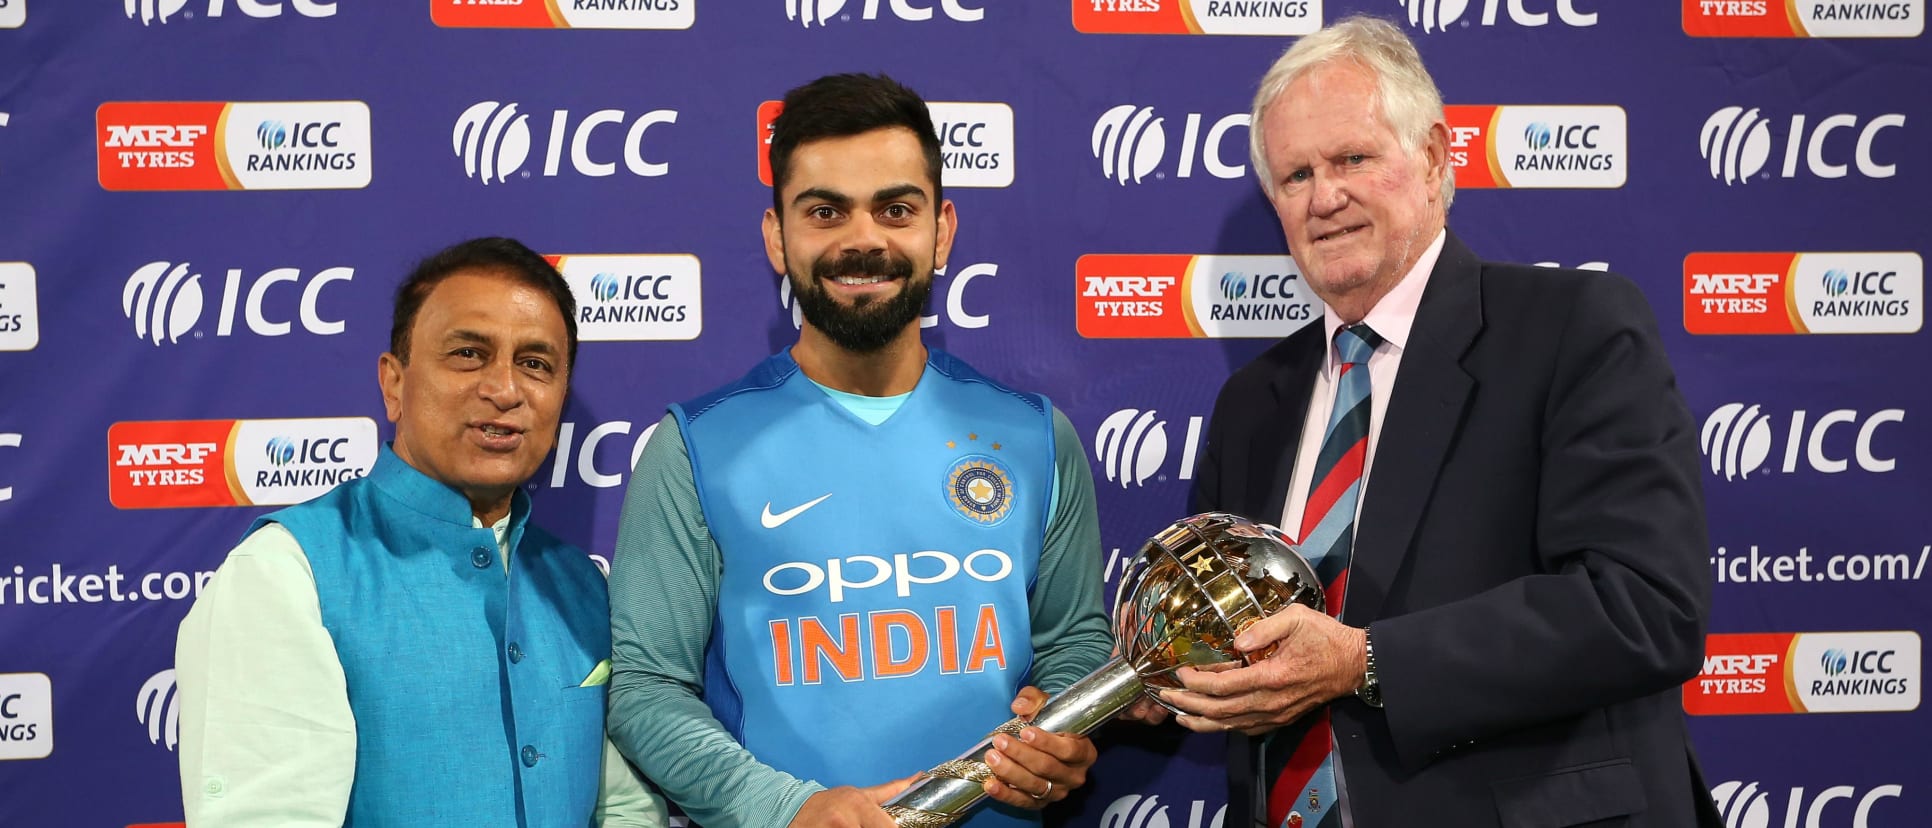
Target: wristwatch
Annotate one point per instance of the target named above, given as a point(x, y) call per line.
point(1371, 690)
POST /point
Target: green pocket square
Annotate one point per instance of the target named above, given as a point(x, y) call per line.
point(598, 675)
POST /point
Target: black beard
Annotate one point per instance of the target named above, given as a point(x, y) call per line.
point(866, 325)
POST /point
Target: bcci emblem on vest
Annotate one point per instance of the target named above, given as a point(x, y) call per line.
point(981, 489)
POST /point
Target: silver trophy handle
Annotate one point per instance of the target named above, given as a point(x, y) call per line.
point(945, 794)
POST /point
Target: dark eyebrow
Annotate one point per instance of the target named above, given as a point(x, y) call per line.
point(476, 337)
point(462, 335)
point(836, 199)
point(899, 193)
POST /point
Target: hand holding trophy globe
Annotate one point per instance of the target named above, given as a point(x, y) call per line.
point(1194, 586)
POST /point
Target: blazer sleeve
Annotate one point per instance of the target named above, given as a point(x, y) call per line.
point(1617, 605)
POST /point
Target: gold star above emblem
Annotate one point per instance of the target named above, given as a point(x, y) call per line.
point(1202, 564)
point(981, 490)
point(996, 447)
point(972, 436)
point(951, 444)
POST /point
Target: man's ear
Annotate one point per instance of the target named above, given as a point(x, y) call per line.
point(389, 376)
point(774, 229)
point(943, 234)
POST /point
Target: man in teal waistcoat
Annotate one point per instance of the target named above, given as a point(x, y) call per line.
point(853, 563)
point(408, 649)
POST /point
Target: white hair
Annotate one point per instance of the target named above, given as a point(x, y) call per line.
point(1407, 96)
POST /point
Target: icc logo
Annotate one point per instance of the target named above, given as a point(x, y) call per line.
point(604, 286)
point(1131, 141)
point(493, 140)
point(149, 11)
point(1743, 805)
point(275, 135)
point(1541, 136)
point(585, 455)
point(1737, 143)
point(1236, 286)
point(8, 441)
point(158, 707)
point(1737, 440)
point(1135, 811)
point(1866, 283)
point(165, 301)
point(807, 12)
point(1131, 447)
point(1436, 15)
point(284, 450)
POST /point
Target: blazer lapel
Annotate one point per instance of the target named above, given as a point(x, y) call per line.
point(1273, 465)
point(1424, 413)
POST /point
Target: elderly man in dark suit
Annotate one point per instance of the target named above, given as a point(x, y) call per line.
point(1493, 471)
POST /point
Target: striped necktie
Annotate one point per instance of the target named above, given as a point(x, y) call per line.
point(1297, 762)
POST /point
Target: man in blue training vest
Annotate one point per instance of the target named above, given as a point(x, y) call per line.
point(408, 649)
point(851, 564)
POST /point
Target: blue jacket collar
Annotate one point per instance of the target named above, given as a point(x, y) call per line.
point(432, 498)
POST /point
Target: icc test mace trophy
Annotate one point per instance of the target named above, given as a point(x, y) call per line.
point(1193, 587)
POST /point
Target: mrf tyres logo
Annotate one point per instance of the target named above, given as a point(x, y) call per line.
point(1850, 672)
point(1738, 440)
point(295, 145)
point(493, 139)
point(564, 14)
point(1210, 17)
point(1804, 18)
point(165, 300)
point(1130, 141)
point(1131, 447)
point(1801, 293)
point(1158, 296)
point(193, 463)
point(1738, 145)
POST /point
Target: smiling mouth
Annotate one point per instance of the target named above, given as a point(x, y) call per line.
point(499, 433)
point(858, 280)
point(1337, 234)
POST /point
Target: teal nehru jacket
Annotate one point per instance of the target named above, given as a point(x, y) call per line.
point(465, 683)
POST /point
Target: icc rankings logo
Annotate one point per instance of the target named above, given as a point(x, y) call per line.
point(26, 716)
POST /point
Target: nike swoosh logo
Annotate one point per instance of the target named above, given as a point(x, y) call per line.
point(772, 521)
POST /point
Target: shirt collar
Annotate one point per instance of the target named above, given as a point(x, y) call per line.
point(433, 498)
point(1394, 315)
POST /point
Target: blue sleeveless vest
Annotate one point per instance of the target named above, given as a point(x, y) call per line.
point(872, 609)
point(463, 681)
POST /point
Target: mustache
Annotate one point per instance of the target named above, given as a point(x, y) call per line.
point(876, 263)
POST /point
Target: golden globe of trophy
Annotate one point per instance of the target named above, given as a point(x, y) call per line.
point(1180, 603)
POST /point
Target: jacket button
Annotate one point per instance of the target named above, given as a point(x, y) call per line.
point(530, 756)
point(516, 653)
point(481, 557)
